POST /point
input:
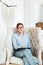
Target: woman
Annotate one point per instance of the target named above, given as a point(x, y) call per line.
point(22, 46)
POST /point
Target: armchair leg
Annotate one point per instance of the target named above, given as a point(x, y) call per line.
point(42, 57)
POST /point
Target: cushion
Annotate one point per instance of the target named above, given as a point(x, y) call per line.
point(16, 60)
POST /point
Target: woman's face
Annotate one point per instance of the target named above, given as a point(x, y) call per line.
point(20, 29)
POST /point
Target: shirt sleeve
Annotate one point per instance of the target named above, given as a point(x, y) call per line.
point(14, 43)
point(29, 42)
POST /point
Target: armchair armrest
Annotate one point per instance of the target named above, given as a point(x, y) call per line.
point(2, 56)
point(7, 57)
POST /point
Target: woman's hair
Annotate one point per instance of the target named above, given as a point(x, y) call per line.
point(19, 24)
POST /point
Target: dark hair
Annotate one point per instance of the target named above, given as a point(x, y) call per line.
point(19, 24)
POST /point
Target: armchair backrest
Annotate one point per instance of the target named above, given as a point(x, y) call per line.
point(33, 35)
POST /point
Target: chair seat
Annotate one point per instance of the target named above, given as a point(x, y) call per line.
point(16, 60)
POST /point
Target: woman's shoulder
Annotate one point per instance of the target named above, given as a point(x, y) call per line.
point(26, 34)
point(14, 34)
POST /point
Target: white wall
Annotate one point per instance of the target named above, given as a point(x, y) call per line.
point(2, 27)
point(27, 12)
point(35, 11)
point(32, 12)
point(19, 12)
point(41, 13)
point(18, 17)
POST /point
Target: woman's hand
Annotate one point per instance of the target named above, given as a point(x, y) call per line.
point(23, 46)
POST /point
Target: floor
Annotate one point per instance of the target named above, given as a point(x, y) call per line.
point(9, 64)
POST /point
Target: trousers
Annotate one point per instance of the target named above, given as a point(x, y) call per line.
point(27, 57)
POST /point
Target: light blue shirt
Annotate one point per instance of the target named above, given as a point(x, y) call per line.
point(21, 40)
